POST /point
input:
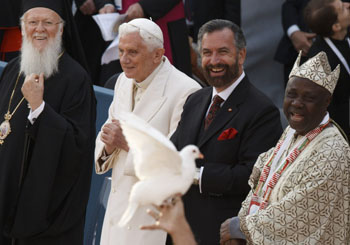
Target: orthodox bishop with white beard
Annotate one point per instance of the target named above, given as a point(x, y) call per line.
point(47, 129)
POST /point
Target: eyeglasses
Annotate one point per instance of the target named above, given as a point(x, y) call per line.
point(45, 23)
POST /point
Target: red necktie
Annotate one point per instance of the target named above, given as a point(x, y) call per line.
point(215, 106)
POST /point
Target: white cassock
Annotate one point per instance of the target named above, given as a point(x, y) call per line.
point(160, 104)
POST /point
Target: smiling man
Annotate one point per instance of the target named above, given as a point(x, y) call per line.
point(300, 189)
point(47, 131)
point(154, 90)
point(231, 122)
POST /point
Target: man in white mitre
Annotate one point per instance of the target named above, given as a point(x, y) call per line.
point(154, 90)
point(300, 188)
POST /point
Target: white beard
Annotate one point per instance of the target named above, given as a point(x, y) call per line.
point(46, 61)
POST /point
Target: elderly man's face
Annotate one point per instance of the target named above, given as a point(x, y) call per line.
point(221, 61)
point(135, 58)
point(41, 26)
point(305, 104)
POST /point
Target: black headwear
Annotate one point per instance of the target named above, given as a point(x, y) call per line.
point(71, 40)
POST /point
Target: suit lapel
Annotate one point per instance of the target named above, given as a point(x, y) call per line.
point(229, 109)
point(125, 95)
point(199, 108)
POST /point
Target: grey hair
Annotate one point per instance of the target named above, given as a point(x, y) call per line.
point(218, 25)
point(151, 41)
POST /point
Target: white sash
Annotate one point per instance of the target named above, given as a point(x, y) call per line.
point(338, 54)
point(341, 58)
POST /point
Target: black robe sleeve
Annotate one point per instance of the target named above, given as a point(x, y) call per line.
point(100, 3)
point(232, 10)
point(292, 14)
point(78, 3)
point(157, 8)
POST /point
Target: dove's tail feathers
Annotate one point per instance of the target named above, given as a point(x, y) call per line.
point(128, 214)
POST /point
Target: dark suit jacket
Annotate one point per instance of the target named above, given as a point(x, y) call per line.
point(339, 107)
point(228, 163)
point(292, 14)
point(92, 41)
point(202, 11)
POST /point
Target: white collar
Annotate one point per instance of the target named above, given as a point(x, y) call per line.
point(285, 145)
point(144, 84)
point(338, 53)
point(325, 119)
point(226, 93)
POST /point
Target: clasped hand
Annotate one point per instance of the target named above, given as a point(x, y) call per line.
point(113, 138)
point(225, 237)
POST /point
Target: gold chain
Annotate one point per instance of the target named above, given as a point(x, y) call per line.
point(5, 126)
point(9, 115)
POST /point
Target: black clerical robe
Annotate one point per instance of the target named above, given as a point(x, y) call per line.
point(45, 168)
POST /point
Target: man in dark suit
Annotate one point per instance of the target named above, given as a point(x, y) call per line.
point(330, 20)
point(231, 132)
point(296, 36)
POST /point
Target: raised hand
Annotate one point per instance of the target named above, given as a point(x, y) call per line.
point(33, 90)
point(302, 41)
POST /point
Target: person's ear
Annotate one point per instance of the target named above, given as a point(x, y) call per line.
point(61, 29)
point(241, 56)
point(158, 54)
point(336, 27)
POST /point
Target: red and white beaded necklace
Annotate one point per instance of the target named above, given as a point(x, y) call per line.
point(267, 180)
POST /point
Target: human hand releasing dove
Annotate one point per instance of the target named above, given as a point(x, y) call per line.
point(162, 170)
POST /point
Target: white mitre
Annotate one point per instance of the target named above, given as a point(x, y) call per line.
point(317, 70)
point(145, 25)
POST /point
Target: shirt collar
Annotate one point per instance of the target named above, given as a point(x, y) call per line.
point(145, 83)
point(226, 93)
point(325, 119)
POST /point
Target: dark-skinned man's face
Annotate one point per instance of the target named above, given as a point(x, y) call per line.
point(305, 104)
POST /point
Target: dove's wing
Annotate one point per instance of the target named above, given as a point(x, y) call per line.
point(154, 154)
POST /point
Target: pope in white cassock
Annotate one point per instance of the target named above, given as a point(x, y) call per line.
point(300, 188)
point(154, 90)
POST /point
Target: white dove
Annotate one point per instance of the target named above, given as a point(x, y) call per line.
point(162, 170)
